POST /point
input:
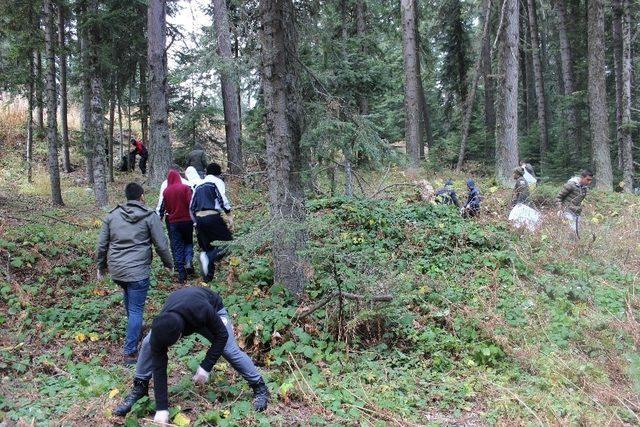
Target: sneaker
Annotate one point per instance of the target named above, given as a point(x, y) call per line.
point(204, 263)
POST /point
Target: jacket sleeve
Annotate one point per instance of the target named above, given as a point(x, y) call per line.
point(219, 340)
point(160, 241)
point(159, 362)
point(566, 189)
point(103, 246)
point(517, 190)
point(203, 160)
point(160, 207)
point(222, 188)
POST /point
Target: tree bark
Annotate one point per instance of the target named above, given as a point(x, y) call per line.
point(568, 80)
point(413, 129)
point(422, 98)
point(598, 122)
point(143, 104)
point(52, 126)
point(159, 144)
point(627, 69)
point(346, 150)
point(112, 119)
point(507, 102)
point(538, 80)
point(229, 87)
point(616, 38)
point(39, 94)
point(120, 136)
point(66, 158)
point(361, 31)
point(489, 96)
point(96, 126)
point(468, 105)
point(283, 122)
point(86, 95)
point(30, 98)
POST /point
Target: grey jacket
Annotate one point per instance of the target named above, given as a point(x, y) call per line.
point(197, 158)
point(571, 196)
point(124, 246)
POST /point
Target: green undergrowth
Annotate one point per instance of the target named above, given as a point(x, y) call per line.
point(477, 324)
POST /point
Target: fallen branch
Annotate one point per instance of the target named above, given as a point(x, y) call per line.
point(402, 184)
point(347, 295)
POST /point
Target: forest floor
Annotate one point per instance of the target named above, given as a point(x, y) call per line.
point(486, 326)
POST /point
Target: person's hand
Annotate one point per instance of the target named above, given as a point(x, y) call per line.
point(99, 275)
point(201, 376)
point(162, 417)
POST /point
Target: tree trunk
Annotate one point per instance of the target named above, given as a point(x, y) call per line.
point(568, 81)
point(507, 102)
point(112, 119)
point(120, 136)
point(347, 149)
point(627, 69)
point(52, 126)
point(616, 38)
point(425, 117)
point(598, 122)
point(30, 98)
point(66, 158)
point(538, 81)
point(361, 31)
point(96, 125)
point(413, 130)
point(489, 97)
point(229, 87)
point(86, 96)
point(283, 120)
point(144, 102)
point(159, 144)
point(39, 95)
point(469, 101)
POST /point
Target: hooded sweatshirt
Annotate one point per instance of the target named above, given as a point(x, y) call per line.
point(197, 158)
point(571, 196)
point(124, 245)
point(192, 176)
point(177, 198)
point(160, 207)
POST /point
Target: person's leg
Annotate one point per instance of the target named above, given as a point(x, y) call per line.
point(143, 165)
point(144, 371)
point(186, 233)
point(205, 237)
point(177, 247)
point(137, 297)
point(144, 365)
point(237, 358)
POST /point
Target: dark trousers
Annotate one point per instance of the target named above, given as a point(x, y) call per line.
point(209, 229)
point(143, 165)
point(181, 239)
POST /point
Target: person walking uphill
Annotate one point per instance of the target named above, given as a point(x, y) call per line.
point(472, 207)
point(193, 310)
point(198, 159)
point(208, 202)
point(138, 148)
point(176, 200)
point(521, 191)
point(124, 249)
point(570, 198)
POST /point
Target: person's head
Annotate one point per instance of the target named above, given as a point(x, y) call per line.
point(134, 192)
point(214, 169)
point(586, 178)
point(448, 184)
point(166, 329)
point(470, 184)
point(133, 141)
point(518, 172)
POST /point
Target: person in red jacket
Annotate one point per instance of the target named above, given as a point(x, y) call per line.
point(177, 197)
point(138, 148)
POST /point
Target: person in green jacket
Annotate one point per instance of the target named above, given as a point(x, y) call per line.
point(570, 198)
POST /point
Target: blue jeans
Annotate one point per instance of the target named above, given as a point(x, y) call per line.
point(135, 295)
point(181, 238)
point(237, 358)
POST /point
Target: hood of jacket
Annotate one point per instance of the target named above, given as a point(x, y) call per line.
point(173, 178)
point(134, 211)
point(197, 146)
point(576, 180)
point(192, 175)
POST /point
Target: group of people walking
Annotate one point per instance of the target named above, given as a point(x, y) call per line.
point(124, 251)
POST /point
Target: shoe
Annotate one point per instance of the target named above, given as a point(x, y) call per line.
point(189, 270)
point(204, 263)
point(140, 389)
point(130, 359)
point(260, 395)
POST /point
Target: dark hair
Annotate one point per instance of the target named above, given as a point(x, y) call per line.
point(133, 141)
point(133, 191)
point(214, 169)
point(585, 173)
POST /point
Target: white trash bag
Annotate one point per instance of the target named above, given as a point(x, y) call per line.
point(524, 216)
point(531, 180)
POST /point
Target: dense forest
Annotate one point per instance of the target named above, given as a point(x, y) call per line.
point(334, 121)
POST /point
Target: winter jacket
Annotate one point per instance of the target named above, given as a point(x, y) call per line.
point(160, 206)
point(197, 158)
point(571, 196)
point(473, 200)
point(193, 177)
point(520, 192)
point(210, 195)
point(124, 246)
point(197, 309)
point(447, 196)
point(177, 198)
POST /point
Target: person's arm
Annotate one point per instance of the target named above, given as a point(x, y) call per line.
point(562, 195)
point(203, 160)
point(192, 211)
point(222, 188)
point(516, 194)
point(103, 247)
point(160, 241)
point(159, 207)
point(159, 362)
point(220, 336)
point(454, 197)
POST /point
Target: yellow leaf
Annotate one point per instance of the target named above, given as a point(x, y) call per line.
point(181, 420)
point(493, 190)
point(234, 261)
point(225, 413)
point(113, 393)
point(94, 337)
point(97, 223)
point(80, 337)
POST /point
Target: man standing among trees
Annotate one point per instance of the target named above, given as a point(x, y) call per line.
point(208, 202)
point(124, 247)
point(194, 310)
point(198, 159)
point(138, 148)
point(570, 198)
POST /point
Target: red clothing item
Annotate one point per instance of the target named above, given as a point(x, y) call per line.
point(177, 198)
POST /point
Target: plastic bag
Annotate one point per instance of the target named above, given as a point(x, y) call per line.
point(531, 180)
point(524, 216)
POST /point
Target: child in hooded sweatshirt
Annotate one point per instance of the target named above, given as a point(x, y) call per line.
point(176, 200)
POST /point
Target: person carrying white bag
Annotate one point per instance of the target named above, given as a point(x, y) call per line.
point(522, 215)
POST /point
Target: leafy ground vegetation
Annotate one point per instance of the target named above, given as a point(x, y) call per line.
point(484, 325)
